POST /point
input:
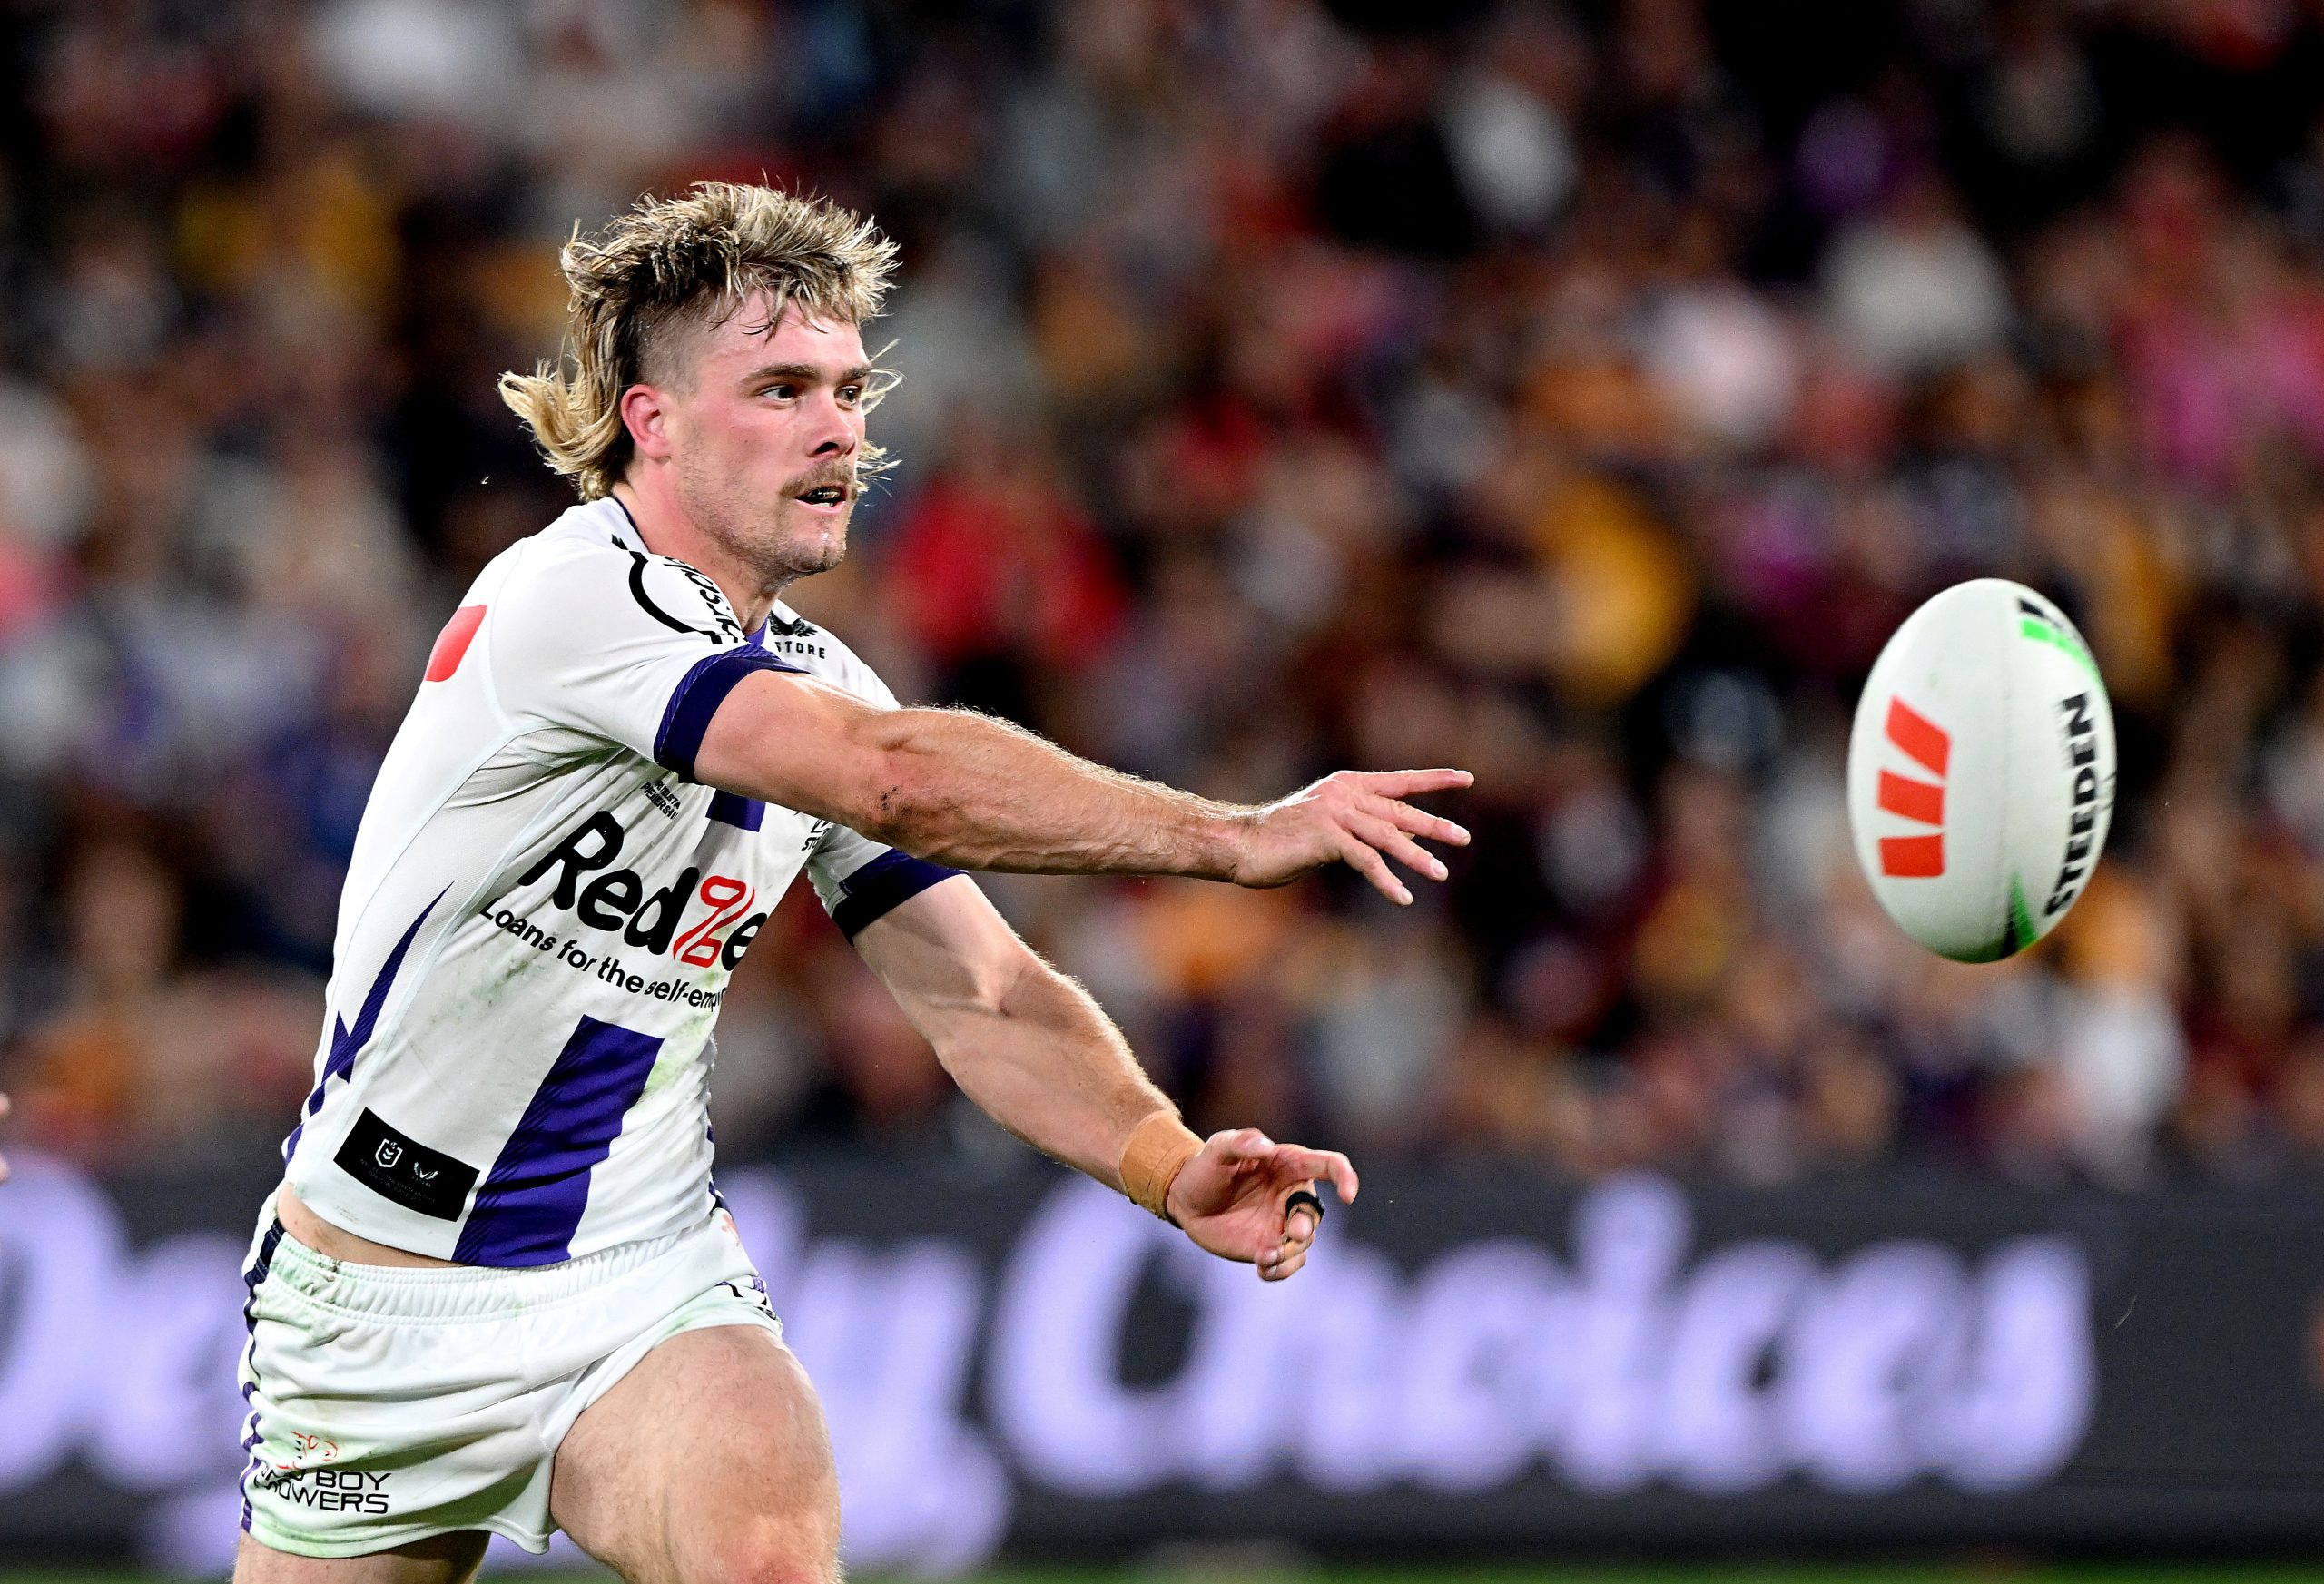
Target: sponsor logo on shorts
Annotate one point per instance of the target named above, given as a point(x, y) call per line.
point(306, 1449)
point(326, 1489)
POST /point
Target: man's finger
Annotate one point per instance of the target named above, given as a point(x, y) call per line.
point(1378, 833)
point(1301, 1221)
point(1374, 868)
point(1409, 783)
point(1245, 1144)
point(1419, 821)
point(1327, 1164)
point(1285, 1266)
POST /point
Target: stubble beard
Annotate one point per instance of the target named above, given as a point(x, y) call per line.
point(753, 532)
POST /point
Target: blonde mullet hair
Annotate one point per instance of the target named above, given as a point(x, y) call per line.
point(690, 260)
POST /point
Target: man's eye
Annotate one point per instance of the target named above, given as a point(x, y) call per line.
point(783, 392)
point(850, 393)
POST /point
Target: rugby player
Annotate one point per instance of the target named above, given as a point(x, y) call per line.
point(496, 1292)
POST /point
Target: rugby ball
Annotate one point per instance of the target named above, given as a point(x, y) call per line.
point(1981, 771)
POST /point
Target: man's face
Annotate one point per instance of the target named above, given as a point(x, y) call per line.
point(766, 433)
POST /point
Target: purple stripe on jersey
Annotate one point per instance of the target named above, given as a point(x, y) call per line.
point(880, 885)
point(696, 699)
point(745, 813)
point(530, 1205)
point(345, 1042)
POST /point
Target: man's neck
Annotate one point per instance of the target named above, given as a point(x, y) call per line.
point(666, 532)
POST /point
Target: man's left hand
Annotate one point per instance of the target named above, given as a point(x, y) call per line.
point(1230, 1197)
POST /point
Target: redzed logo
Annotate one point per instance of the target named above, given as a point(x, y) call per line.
point(701, 945)
point(617, 899)
point(1930, 746)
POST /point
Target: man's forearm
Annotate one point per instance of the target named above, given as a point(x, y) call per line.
point(1046, 1064)
point(1029, 1046)
point(979, 794)
point(967, 790)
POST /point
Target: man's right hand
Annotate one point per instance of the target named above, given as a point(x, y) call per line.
point(1351, 817)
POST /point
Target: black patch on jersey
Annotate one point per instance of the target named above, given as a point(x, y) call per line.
point(796, 627)
point(412, 1175)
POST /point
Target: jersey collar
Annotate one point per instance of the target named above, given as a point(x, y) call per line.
point(619, 523)
point(615, 518)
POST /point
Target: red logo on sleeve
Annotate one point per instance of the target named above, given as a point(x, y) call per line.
point(452, 642)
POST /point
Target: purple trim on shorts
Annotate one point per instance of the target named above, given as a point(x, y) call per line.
point(252, 1436)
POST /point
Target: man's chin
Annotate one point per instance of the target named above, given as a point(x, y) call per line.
point(823, 554)
point(814, 546)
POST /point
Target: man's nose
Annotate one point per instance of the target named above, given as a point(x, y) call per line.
point(835, 433)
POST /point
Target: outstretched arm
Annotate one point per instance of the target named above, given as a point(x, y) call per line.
point(966, 790)
point(1028, 1045)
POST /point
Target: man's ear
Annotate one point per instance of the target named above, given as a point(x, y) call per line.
point(645, 413)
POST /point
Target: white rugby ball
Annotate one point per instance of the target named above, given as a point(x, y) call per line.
point(1981, 771)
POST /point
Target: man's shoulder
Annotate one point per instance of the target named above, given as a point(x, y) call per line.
point(589, 567)
point(580, 539)
point(595, 535)
point(815, 649)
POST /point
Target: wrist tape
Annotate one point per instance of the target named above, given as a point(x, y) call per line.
point(1158, 1148)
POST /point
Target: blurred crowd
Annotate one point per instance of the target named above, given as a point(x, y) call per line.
point(1579, 393)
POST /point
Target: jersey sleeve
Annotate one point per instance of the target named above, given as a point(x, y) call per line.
point(635, 649)
point(860, 880)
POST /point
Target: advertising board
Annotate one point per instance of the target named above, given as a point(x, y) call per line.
point(1478, 1364)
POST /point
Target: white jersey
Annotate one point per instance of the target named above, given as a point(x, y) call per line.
point(543, 908)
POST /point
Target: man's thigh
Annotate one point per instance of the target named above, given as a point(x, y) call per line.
point(709, 1464)
point(444, 1559)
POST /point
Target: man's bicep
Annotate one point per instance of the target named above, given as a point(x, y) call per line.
point(944, 951)
point(787, 738)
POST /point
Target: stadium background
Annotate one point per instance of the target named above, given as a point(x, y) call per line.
point(1577, 393)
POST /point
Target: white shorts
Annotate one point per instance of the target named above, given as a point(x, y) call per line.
point(388, 1405)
